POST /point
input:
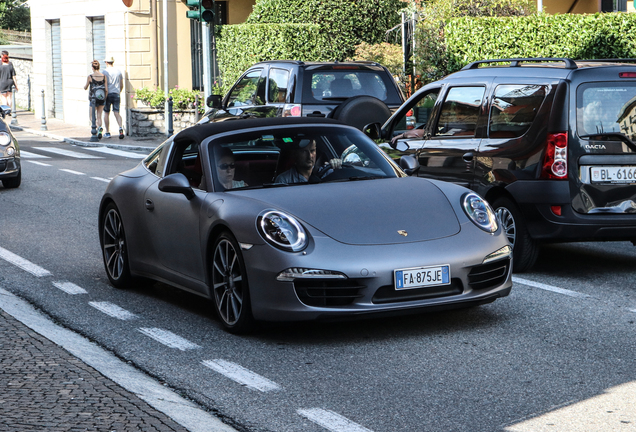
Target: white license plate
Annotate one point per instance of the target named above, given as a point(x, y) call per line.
point(422, 277)
point(613, 174)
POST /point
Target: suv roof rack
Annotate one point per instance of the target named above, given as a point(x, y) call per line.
point(613, 60)
point(516, 62)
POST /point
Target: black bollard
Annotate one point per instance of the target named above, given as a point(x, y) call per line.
point(169, 117)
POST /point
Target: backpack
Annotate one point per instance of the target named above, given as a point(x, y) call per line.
point(98, 89)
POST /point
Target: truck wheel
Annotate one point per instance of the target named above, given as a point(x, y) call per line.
point(525, 250)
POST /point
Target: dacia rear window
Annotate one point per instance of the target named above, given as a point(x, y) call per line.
point(606, 107)
point(328, 86)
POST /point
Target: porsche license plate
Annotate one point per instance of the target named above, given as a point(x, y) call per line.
point(613, 174)
point(422, 277)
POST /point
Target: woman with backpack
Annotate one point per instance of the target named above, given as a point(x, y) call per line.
point(97, 93)
point(7, 80)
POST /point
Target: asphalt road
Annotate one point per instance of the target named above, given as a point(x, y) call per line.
point(557, 354)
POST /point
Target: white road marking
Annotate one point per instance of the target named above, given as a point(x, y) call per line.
point(38, 163)
point(70, 288)
point(241, 375)
point(68, 153)
point(184, 412)
point(169, 339)
point(29, 155)
point(113, 310)
point(72, 172)
point(102, 179)
point(549, 287)
point(331, 421)
point(25, 265)
point(116, 152)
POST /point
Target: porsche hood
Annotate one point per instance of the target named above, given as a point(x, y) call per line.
point(368, 212)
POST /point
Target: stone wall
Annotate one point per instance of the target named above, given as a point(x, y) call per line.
point(25, 97)
point(148, 122)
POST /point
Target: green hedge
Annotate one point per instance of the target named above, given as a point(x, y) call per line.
point(240, 46)
point(608, 35)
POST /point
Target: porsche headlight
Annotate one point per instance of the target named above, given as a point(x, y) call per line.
point(479, 211)
point(5, 139)
point(282, 230)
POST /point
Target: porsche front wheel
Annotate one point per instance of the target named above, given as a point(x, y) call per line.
point(114, 250)
point(230, 290)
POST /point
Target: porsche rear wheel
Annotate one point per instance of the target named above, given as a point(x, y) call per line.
point(230, 289)
point(114, 248)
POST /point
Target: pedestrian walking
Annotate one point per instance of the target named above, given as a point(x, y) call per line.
point(8, 80)
point(115, 86)
point(97, 95)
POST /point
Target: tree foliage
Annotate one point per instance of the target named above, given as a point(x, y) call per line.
point(15, 15)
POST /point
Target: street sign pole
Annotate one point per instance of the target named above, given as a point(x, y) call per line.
point(207, 61)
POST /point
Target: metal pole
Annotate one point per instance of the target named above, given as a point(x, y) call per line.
point(93, 123)
point(165, 56)
point(207, 61)
point(43, 126)
point(197, 113)
point(29, 92)
point(14, 114)
point(170, 129)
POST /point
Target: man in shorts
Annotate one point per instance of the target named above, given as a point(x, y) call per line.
point(115, 86)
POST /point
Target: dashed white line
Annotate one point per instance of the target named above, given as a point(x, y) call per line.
point(241, 375)
point(68, 153)
point(169, 339)
point(72, 172)
point(331, 421)
point(549, 287)
point(38, 163)
point(70, 288)
point(116, 152)
point(28, 155)
point(25, 265)
point(113, 310)
point(101, 179)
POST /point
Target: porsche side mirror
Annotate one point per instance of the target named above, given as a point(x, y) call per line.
point(177, 183)
point(213, 101)
point(410, 165)
point(373, 130)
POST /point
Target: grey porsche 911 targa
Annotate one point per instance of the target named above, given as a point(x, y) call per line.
point(282, 219)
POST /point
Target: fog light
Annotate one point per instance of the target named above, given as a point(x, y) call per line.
point(10, 151)
point(305, 273)
point(504, 252)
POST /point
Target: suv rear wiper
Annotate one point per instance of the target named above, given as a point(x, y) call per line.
point(609, 135)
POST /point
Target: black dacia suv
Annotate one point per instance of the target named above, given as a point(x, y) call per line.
point(548, 142)
point(356, 93)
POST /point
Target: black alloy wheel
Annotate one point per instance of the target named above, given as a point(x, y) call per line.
point(114, 249)
point(525, 250)
point(230, 290)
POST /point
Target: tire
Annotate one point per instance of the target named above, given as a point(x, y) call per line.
point(14, 182)
point(114, 248)
point(525, 250)
point(230, 289)
point(359, 111)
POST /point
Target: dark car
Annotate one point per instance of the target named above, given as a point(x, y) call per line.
point(356, 93)
point(10, 169)
point(548, 142)
point(213, 211)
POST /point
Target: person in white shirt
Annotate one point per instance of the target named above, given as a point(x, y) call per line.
point(115, 86)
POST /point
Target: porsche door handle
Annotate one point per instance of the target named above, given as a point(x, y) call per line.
point(468, 157)
point(150, 205)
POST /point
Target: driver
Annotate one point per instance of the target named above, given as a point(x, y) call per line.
point(304, 161)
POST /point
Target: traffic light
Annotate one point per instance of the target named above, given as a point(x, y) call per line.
point(201, 10)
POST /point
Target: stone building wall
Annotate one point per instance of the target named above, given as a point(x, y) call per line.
point(25, 97)
point(148, 122)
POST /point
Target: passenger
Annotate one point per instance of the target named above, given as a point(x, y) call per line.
point(304, 161)
point(226, 168)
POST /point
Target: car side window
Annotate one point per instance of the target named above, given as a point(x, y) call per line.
point(246, 91)
point(460, 111)
point(186, 160)
point(419, 115)
point(514, 108)
point(277, 91)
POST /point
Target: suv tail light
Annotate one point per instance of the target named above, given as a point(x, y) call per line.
point(555, 160)
point(627, 74)
point(292, 110)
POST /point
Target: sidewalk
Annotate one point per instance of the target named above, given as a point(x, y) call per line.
point(55, 380)
point(80, 135)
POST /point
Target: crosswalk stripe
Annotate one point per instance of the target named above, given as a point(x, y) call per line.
point(29, 155)
point(331, 420)
point(25, 265)
point(117, 152)
point(169, 339)
point(38, 163)
point(69, 153)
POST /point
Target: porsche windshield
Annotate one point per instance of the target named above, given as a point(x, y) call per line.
point(285, 156)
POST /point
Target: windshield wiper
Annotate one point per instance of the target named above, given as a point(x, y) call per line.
point(609, 135)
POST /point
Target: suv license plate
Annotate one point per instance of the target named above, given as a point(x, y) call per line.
point(422, 277)
point(615, 174)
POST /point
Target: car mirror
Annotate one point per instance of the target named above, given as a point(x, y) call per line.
point(402, 146)
point(409, 164)
point(176, 183)
point(373, 130)
point(213, 101)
